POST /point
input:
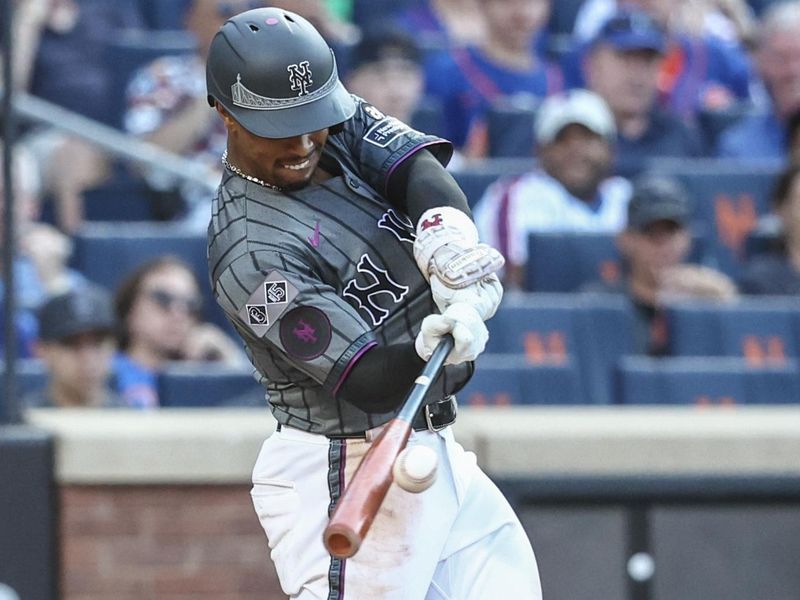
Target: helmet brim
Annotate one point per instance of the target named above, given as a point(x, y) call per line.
point(336, 107)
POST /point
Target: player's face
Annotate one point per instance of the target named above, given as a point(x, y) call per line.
point(289, 163)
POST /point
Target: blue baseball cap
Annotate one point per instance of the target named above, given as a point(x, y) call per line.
point(632, 30)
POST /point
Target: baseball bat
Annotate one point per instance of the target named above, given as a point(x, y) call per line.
point(362, 499)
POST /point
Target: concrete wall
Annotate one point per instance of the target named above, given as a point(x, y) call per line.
point(156, 504)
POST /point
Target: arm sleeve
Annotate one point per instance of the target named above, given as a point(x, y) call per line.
point(421, 183)
point(394, 366)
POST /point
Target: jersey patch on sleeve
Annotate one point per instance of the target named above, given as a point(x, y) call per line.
point(305, 332)
point(267, 303)
point(384, 132)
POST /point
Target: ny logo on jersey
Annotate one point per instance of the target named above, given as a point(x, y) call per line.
point(399, 225)
point(366, 297)
point(300, 77)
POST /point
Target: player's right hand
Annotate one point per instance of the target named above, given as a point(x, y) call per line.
point(463, 322)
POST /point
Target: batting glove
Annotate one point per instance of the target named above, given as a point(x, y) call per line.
point(447, 246)
point(484, 295)
point(463, 322)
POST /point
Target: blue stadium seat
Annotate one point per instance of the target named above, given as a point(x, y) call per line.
point(164, 14)
point(728, 197)
point(510, 131)
point(208, 384)
point(133, 49)
point(762, 330)
point(590, 256)
point(705, 381)
point(474, 178)
point(506, 379)
point(107, 252)
point(31, 375)
point(496, 381)
point(590, 331)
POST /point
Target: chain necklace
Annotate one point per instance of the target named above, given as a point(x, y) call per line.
point(243, 175)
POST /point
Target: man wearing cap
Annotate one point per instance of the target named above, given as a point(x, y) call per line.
point(343, 252)
point(655, 245)
point(76, 345)
point(622, 64)
point(573, 191)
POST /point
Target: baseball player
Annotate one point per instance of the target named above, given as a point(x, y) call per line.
point(342, 252)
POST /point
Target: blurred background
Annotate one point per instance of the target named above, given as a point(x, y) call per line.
point(637, 162)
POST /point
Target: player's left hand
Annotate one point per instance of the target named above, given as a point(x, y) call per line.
point(464, 323)
point(484, 295)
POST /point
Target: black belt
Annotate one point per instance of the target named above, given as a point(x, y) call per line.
point(431, 417)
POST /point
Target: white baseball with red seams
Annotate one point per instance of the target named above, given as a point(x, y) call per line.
point(415, 469)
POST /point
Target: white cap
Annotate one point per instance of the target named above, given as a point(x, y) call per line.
point(580, 107)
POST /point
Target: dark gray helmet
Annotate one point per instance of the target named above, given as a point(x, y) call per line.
point(276, 75)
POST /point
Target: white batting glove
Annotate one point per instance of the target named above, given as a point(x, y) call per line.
point(464, 323)
point(447, 245)
point(484, 295)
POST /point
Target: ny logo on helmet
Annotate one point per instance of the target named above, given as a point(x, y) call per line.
point(379, 284)
point(300, 77)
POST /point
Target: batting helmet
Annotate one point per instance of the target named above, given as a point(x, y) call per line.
point(276, 75)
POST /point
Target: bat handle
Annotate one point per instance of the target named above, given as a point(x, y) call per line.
point(423, 382)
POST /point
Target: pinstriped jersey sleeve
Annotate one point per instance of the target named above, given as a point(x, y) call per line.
point(374, 145)
point(281, 307)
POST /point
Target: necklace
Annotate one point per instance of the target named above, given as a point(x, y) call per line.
point(244, 175)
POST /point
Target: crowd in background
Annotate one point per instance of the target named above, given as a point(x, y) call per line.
point(609, 88)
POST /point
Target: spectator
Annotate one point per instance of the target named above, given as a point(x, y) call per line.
point(654, 246)
point(158, 310)
point(777, 272)
point(59, 56)
point(166, 105)
point(444, 23)
point(40, 265)
point(572, 192)
point(76, 344)
point(504, 67)
point(763, 135)
point(622, 64)
point(387, 72)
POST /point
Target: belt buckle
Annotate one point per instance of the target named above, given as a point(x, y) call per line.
point(429, 416)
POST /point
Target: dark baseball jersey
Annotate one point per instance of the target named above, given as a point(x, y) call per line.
point(312, 279)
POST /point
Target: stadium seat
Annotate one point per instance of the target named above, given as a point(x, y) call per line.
point(590, 331)
point(30, 375)
point(728, 197)
point(164, 14)
point(133, 49)
point(474, 178)
point(762, 330)
point(208, 384)
point(107, 252)
point(506, 379)
point(590, 256)
point(705, 381)
point(510, 131)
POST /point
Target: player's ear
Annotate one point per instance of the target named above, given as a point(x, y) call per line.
point(226, 116)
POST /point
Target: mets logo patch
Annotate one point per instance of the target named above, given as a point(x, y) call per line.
point(305, 332)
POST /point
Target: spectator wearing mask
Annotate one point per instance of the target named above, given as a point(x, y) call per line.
point(158, 309)
point(76, 344)
point(622, 64)
point(572, 191)
point(655, 245)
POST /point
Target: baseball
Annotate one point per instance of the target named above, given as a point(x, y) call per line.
point(415, 468)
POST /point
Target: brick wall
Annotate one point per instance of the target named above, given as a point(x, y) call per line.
point(163, 542)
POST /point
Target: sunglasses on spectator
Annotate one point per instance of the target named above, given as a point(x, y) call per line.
point(167, 301)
